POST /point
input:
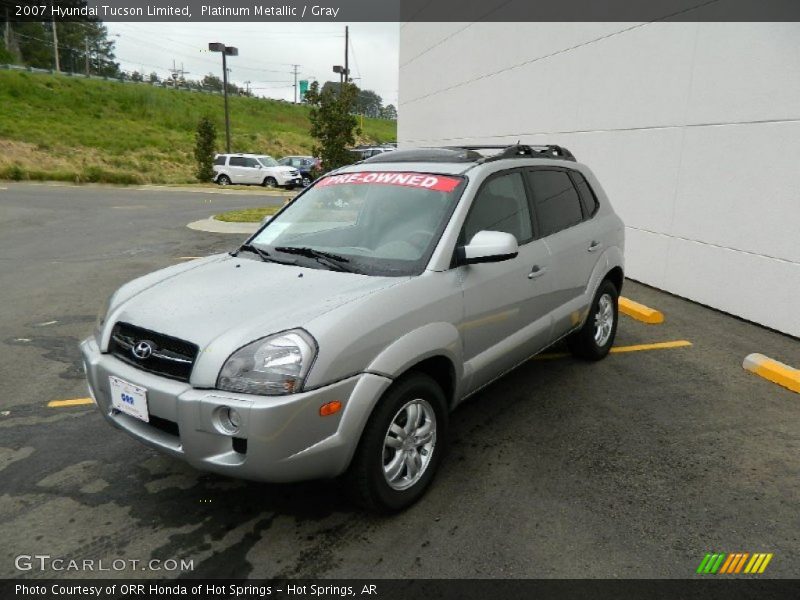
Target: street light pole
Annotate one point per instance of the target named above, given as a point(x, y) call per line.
point(225, 93)
point(226, 51)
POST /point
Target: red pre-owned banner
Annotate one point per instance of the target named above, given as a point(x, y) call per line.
point(439, 183)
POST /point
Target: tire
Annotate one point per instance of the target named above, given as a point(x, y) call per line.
point(223, 180)
point(306, 181)
point(270, 182)
point(368, 481)
point(594, 340)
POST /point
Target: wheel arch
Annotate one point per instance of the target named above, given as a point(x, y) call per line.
point(616, 276)
point(434, 349)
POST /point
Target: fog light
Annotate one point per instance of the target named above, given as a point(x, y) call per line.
point(229, 419)
point(330, 408)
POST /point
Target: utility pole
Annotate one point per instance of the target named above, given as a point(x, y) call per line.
point(346, 53)
point(295, 83)
point(55, 46)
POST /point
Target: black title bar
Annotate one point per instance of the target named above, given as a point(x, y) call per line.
point(401, 10)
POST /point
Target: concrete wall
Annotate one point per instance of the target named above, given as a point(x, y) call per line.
point(693, 129)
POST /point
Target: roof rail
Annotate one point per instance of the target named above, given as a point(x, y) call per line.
point(522, 151)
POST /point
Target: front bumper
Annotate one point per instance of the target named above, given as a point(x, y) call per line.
point(286, 438)
point(294, 180)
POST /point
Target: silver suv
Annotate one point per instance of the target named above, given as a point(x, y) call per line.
point(254, 169)
point(336, 339)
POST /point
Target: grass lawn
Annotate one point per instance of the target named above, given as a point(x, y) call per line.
point(248, 215)
point(55, 127)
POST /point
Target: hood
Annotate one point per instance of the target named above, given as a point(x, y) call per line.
point(227, 302)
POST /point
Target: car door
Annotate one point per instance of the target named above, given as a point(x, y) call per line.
point(236, 169)
point(571, 237)
point(252, 171)
point(505, 303)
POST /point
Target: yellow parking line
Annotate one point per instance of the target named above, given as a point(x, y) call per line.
point(774, 371)
point(656, 346)
point(640, 312)
point(622, 349)
point(72, 402)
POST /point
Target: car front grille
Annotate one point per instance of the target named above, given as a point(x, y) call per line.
point(153, 352)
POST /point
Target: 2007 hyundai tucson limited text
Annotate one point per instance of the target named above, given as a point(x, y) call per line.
point(336, 339)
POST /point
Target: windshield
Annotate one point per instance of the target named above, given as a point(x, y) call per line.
point(379, 223)
point(267, 161)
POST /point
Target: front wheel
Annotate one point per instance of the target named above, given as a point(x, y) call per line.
point(223, 180)
point(270, 182)
point(401, 447)
point(306, 181)
point(594, 340)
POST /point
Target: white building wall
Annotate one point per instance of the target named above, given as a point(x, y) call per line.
point(692, 128)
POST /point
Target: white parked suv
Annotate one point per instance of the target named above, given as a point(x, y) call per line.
point(254, 169)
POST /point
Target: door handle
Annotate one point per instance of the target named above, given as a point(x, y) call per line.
point(536, 272)
point(594, 246)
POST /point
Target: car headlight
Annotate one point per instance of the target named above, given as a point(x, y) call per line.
point(272, 366)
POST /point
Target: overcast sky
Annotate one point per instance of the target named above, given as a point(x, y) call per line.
point(267, 52)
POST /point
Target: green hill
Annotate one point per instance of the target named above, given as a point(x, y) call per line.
point(75, 129)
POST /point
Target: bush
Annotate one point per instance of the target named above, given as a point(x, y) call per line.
point(205, 140)
point(14, 173)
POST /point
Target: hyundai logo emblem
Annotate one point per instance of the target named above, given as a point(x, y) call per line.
point(142, 350)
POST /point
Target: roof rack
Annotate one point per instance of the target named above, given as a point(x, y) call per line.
point(521, 151)
point(443, 155)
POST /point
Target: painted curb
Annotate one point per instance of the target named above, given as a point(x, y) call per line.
point(640, 312)
point(774, 371)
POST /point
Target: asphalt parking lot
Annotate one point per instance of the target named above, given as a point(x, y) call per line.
point(632, 467)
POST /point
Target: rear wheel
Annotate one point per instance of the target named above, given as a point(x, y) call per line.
point(270, 182)
point(594, 340)
point(401, 446)
point(223, 180)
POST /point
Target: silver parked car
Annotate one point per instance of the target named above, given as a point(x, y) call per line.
point(336, 339)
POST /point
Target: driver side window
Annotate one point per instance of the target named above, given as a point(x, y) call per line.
point(501, 205)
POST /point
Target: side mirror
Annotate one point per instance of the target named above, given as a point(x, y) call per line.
point(488, 246)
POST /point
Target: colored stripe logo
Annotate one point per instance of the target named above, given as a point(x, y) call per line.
point(734, 563)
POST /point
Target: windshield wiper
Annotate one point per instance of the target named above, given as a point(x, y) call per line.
point(262, 254)
point(334, 261)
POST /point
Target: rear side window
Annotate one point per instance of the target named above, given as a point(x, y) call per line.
point(220, 160)
point(237, 161)
point(590, 203)
point(558, 205)
point(501, 205)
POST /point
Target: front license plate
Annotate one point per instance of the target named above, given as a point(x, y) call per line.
point(129, 399)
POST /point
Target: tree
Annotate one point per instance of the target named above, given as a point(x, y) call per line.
point(212, 82)
point(136, 76)
point(369, 103)
point(332, 123)
point(153, 78)
point(34, 41)
point(389, 112)
point(205, 140)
